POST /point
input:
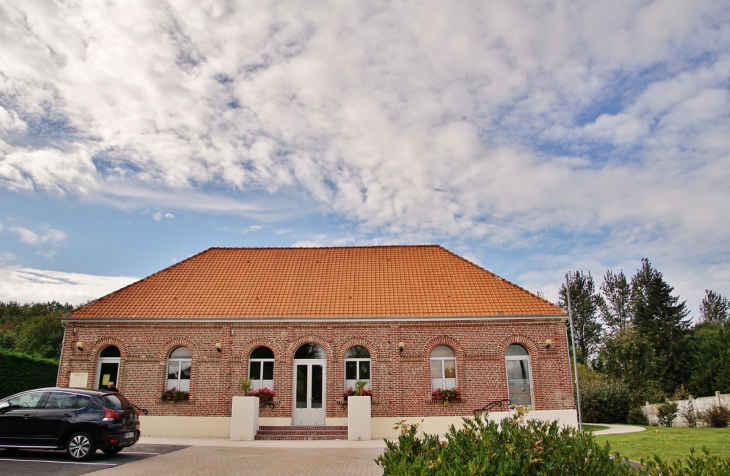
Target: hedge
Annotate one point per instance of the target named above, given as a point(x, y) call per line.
point(19, 372)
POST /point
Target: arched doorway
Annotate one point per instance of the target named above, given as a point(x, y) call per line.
point(107, 370)
point(309, 395)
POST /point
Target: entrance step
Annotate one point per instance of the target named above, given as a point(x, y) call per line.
point(302, 433)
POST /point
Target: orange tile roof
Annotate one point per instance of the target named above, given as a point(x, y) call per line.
point(374, 281)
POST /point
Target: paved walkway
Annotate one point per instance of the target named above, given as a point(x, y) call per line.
point(221, 456)
point(617, 429)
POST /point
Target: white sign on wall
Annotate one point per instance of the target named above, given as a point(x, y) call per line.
point(79, 380)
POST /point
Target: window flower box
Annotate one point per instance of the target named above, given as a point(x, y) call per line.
point(266, 397)
point(446, 396)
point(174, 396)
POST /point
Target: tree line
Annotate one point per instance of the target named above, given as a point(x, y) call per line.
point(637, 332)
point(33, 328)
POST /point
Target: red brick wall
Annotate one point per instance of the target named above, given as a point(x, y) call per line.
point(400, 380)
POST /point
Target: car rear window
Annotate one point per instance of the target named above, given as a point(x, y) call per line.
point(82, 401)
point(115, 402)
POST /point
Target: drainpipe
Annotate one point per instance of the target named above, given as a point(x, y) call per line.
point(60, 359)
point(575, 360)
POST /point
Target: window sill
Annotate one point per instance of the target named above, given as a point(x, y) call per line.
point(176, 402)
point(343, 402)
point(449, 401)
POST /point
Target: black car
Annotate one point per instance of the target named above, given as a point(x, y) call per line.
point(75, 419)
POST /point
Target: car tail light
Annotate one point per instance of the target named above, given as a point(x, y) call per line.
point(110, 415)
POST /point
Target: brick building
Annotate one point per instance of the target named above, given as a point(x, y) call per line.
point(308, 323)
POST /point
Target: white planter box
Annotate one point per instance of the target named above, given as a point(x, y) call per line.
point(244, 418)
point(358, 419)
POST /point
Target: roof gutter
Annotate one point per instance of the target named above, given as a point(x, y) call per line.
point(340, 319)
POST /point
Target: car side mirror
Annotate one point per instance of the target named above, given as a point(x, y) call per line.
point(4, 406)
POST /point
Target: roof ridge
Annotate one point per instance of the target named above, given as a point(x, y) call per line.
point(319, 247)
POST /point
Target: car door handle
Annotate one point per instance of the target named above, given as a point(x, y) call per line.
point(26, 417)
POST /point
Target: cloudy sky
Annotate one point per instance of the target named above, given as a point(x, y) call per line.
point(530, 137)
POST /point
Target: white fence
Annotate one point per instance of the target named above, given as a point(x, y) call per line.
point(700, 405)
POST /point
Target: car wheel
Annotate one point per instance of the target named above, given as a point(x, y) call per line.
point(111, 451)
point(80, 446)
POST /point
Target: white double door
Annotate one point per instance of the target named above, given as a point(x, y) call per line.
point(309, 396)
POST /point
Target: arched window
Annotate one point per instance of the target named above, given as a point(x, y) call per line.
point(443, 368)
point(178, 369)
point(110, 351)
point(310, 351)
point(107, 368)
point(357, 366)
point(261, 368)
point(518, 375)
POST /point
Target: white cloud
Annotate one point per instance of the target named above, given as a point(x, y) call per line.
point(157, 216)
point(251, 229)
point(49, 235)
point(34, 285)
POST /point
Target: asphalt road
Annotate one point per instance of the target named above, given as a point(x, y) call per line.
point(43, 463)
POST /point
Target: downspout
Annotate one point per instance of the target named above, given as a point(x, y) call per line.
point(575, 360)
point(60, 359)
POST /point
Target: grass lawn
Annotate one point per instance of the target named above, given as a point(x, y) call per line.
point(592, 428)
point(669, 443)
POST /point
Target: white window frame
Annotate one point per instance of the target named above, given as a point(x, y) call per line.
point(442, 382)
point(179, 383)
point(350, 383)
point(259, 382)
point(527, 358)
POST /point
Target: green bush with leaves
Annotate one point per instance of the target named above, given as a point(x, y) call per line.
point(690, 415)
point(693, 465)
point(717, 416)
point(636, 417)
point(603, 398)
point(24, 372)
point(667, 412)
point(509, 447)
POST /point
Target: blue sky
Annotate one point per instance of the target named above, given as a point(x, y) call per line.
point(529, 137)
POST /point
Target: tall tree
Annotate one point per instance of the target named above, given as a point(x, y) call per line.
point(584, 302)
point(714, 307)
point(616, 303)
point(662, 319)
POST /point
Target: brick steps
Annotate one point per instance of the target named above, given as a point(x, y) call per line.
point(302, 433)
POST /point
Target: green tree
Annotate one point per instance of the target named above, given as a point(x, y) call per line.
point(662, 319)
point(714, 307)
point(584, 303)
point(32, 328)
point(710, 359)
point(615, 305)
point(630, 356)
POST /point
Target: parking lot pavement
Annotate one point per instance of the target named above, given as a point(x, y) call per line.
point(258, 461)
point(42, 463)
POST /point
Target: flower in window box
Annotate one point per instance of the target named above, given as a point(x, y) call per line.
point(446, 394)
point(351, 392)
point(359, 390)
point(174, 395)
point(263, 393)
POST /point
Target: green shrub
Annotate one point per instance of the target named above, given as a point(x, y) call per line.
point(691, 466)
point(604, 399)
point(717, 416)
point(506, 448)
point(24, 372)
point(667, 412)
point(690, 415)
point(637, 417)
